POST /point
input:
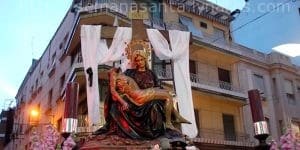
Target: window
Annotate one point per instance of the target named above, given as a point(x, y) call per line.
point(52, 66)
point(268, 124)
point(103, 89)
point(53, 60)
point(229, 128)
point(274, 86)
point(62, 81)
point(73, 57)
point(193, 67)
point(288, 86)
point(50, 95)
point(88, 3)
point(60, 45)
point(289, 90)
point(63, 43)
point(203, 25)
point(281, 127)
point(66, 38)
point(224, 79)
point(156, 10)
point(37, 83)
point(259, 83)
point(298, 86)
point(219, 34)
point(80, 58)
point(188, 22)
point(162, 68)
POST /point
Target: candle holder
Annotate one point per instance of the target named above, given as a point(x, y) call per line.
point(70, 113)
point(261, 131)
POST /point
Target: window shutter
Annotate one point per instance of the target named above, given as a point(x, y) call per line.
point(288, 86)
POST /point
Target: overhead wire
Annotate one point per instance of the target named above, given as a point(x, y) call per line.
point(253, 20)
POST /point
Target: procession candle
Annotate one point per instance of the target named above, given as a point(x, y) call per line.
point(260, 125)
point(71, 104)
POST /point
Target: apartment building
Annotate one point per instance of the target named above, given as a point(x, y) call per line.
point(285, 83)
point(221, 71)
point(6, 127)
point(269, 33)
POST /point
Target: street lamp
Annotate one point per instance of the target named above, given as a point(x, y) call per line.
point(34, 113)
point(34, 116)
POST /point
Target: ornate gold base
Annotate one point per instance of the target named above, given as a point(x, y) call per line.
point(110, 142)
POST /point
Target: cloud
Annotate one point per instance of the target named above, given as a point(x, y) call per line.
point(292, 50)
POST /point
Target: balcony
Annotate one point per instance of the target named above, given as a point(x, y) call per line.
point(220, 87)
point(202, 83)
point(163, 74)
point(214, 136)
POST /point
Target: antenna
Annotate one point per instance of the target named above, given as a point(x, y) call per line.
point(32, 46)
point(8, 103)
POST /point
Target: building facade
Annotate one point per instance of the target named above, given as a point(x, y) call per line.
point(6, 127)
point(221, 72)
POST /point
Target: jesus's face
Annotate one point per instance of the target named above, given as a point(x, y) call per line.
point(122, 85)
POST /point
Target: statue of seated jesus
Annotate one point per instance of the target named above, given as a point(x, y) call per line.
point(122, 84)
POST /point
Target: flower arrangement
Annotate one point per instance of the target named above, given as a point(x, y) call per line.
point(69, 144)
point(47, 140)
point(288, 141)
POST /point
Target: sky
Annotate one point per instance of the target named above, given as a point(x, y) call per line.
point(26, 29)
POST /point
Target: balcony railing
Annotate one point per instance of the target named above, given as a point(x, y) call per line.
point(163, 74)
point(213, 136)
point(201, 82)
point(220, 135)
point(198, 81)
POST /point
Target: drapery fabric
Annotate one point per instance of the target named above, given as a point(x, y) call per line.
point(179, 41)
point(116, 51)
point(90, 40)
point(96, 52)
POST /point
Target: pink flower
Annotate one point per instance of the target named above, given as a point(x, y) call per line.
point(68, 144)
